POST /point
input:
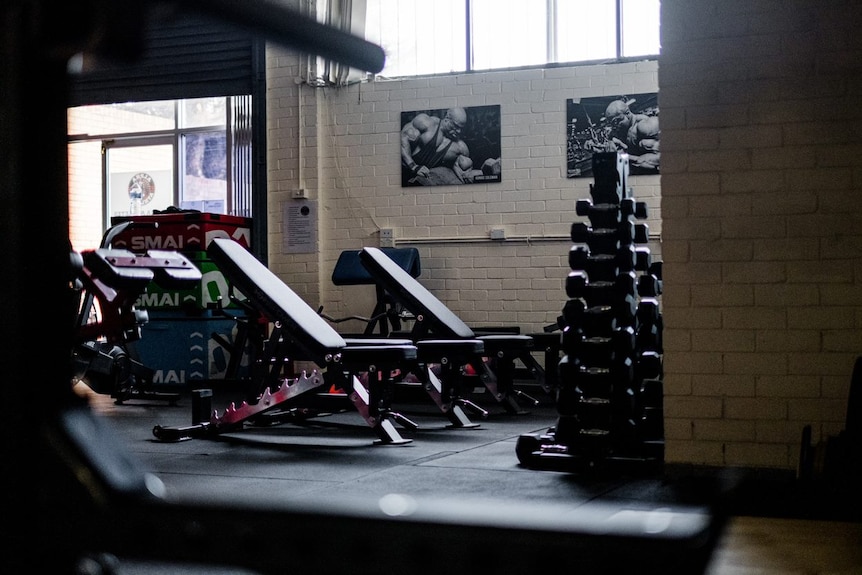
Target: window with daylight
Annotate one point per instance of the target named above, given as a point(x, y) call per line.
point(449, 36)
point(139, 158)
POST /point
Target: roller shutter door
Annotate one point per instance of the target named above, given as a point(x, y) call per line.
point(185, 56)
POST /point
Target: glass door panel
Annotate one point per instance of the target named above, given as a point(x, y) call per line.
point(204, 185)
point(147, 170)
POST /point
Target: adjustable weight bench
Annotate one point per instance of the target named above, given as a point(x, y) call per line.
point(388, 314)
point(444, 386)
point(435, 320)
point(299, 333)
point(444, 390)
point(109, 281)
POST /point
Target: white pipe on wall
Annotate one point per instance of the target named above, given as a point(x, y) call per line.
point(484, 239)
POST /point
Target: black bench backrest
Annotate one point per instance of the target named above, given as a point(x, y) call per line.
point(275, 300)
point(350, 271)
point(407, 291)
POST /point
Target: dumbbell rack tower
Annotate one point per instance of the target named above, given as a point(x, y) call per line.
point(609, 397)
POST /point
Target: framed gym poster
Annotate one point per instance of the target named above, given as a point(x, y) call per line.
point(624, 123)
point(451, 146)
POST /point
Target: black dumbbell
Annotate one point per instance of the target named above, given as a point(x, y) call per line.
point(576, 282)
point(638, 209)
point(648, 310)
point(625, 342)
point(600, 215)
point(626, 309)
point(579, 255)
point(649, 366)
point(616, 299)
point(649, 337)
point(596, 351)
point(626, 207)
point(623, 405)
point(576, 316)
point(598, 267)
point(643, 258)
point(630, 207)
point(603, 316)
point(600, 240)
point(631, 232)
point(594, 414)
point(601, 350)
point(601, 292)
point(620, 372)
point(652, 393)
point(603, 313)
point(648, 286)
point(571, 340)
point(593, 384)
point(573, 312)
point(651, 426)
point(627, 258)
point(598, 324)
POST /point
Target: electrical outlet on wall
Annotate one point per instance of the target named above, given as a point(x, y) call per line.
point(387, 238)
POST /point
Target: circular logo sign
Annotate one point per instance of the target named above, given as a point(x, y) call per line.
point(143, 182)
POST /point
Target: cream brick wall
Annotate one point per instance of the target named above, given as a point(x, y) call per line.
point(761, 177)
point(342, 146)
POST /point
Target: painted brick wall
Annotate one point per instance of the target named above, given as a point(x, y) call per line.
point(761, 208)
point(342, 147)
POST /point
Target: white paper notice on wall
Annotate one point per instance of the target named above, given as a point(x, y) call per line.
point(299, 227)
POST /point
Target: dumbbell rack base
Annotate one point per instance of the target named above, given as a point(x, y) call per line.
point(542, 451)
